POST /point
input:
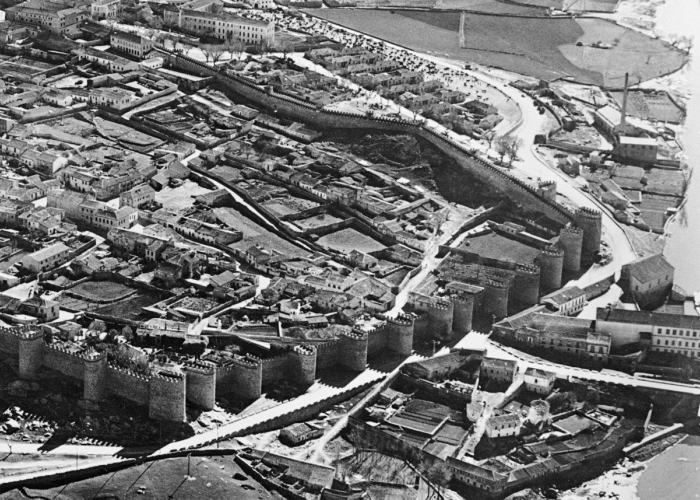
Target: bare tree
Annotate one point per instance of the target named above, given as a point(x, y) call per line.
point(489, 137)
point(502, 147)
point(234, 46)
point(413, 107)
point(508, 146)
point(217, 52)
point(207, 51)
point(514, 145)
point(285, 47)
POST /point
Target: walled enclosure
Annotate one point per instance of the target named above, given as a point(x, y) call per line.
point(514, 188)
point(166, 393)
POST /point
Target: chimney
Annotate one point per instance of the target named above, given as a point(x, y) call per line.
point(623, 116)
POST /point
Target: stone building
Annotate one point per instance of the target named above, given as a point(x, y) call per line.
point(130, 43)
point(57, 17)
point(671, 333)
point(223, 26)
point(501, 370)
point(647, 281)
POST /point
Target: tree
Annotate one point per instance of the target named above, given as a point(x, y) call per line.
point(509, 146)
point(414, 108)
point(156, 23)
point(206, 50)
point(234, 47)
point(128, 333)
point(217, 52)
point(185, 48)
point(98, 326)
point(285, 47)
point(489, 137)
point(245, 150)
point(513, 145)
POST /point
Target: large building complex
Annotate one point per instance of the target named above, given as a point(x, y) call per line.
point(223, 26)
point(57, 17)
point(135, 45)
point(671, 333)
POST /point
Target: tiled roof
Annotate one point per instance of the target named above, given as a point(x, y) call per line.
point(647, 269)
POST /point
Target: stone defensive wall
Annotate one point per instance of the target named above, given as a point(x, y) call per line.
point(166, 392)
point(163, 393)
point(514, 188)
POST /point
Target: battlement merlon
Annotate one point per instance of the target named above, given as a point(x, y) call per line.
point(527, 269)
point(401, 320)
point(169, 376)
point(304, 350)
point(94, 356)
point(553, 252)
point(439, 305)
point(572, 229)
point(128, 372)
point(203, 367)
point(355, 334)
point(590, 212)
point(247, 361)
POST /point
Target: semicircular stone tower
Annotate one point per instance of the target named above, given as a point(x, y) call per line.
point(591, 221)
point(571, 241)
point(551, 261)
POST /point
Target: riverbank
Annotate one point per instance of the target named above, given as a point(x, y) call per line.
point(673, 473)
point(679, 18)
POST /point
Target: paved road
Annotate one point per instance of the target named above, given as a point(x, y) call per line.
point(477, 340)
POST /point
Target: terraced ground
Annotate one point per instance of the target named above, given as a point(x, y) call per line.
point(544, 48)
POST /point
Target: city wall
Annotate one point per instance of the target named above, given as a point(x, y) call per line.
point(166, 393)
point(514, 188)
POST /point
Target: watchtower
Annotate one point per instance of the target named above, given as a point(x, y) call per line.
point(201, 384)
point(302, 364)
point(400, 334)
point(551, 262)
point(591, 222)
point(95, 376)
point(353, 350)
point(31, 353)
point(247, 376)
point(571, 241)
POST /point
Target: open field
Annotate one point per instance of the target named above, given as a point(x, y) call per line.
point(101, 290)
point(319, 220)
point(210, 478)
point(349, 239)
point(180, 197)
point(493, 7)
point(544, 48)
point(131, 307)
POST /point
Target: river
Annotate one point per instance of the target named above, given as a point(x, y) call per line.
point(682, 17)
point(673, 474)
